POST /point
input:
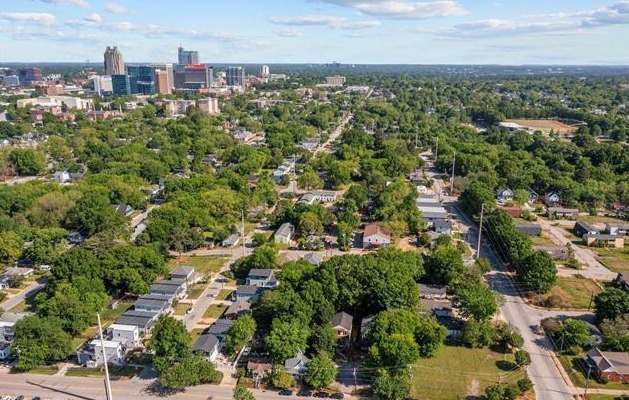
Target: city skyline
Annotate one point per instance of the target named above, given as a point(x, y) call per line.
point(319, 31)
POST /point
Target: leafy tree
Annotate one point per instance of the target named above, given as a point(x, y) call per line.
point(475, 301)
point(611, 304)
point(538, 272)
point(286, 339)
point(322, 339)
point(430, 335)
point(386, 323)
point(474, 196)
point(321, 371)
point(522, 358)
point(398, 349)
point(39, 341)
point(282, 379)
point(27, 161)
point(190, 371)
point(242, 393)
point(392, 386)
point(521, 196)
point(575, 332)
point(478, 334)
point(169, 342)
point(240, 333)
point(616, 333)
point(10, 247)
point(309, 179)
point(445, 265)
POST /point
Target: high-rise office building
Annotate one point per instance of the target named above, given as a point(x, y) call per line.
point(265, 71)
point(121, 85)
point(142, 79)
point(30, 75)
point(113, 61)
point(195, 76)
point(11, 80)
point(169, 72)
point(209, 105)
point(102, 84)
point(187, 57)
point(162, 86)
point(235, 77)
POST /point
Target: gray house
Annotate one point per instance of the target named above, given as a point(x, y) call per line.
point(297, 366)
point(208, 345)
point(220, 328)
point(264, 278)
point(529, 229)
point(285, 233)
point(583, 228)
point(247, 293)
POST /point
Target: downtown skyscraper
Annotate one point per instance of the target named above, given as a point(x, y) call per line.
point(114, 65)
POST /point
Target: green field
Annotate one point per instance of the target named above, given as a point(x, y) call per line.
point(615, 259)
point(457, 372)
point(205, 266)
point(215, 311)
point(181, 308)
point(194, 292)
point(575, 292)
point(126, 371)
point(224, 294)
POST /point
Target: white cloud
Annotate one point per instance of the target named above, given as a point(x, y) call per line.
point(94, 17)
point(323, 20)
point(44, 19)
point(288, 33)
point(77, 3)
point(114, 8)
point(404, 9)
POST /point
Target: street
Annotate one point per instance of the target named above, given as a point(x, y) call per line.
point(32, 289)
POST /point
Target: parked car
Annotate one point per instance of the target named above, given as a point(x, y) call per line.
point(337, 396)
point(322, 395)
point(285, 392)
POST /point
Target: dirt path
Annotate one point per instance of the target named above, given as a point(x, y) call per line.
point(473, 390)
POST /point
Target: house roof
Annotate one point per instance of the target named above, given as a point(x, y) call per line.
point(13, 316)
point(152, 303)
point(297, 362)
point(206, 343)
point(247, 290)
point(259, 365)
point(431, 289)
point(313, 258)
point(220, 327)
point(563, 210)
point(442, 224)
point(606, 360)
point(141, 319)
point(600, 236)
point(17, 271)
point(170, 282)
point(431, 306)
point(183, 270)
point(238, 307)
point(344, 320)
point(374, 229)
point(156, 287)
point(286, 229)
point(258, 272)
point(121, 327)
point(161, 297)
point(585, 226)
point(435, 214)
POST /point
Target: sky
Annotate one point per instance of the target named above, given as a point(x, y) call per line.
point(509, 32)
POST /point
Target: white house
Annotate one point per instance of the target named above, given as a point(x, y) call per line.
point(208, 345)
point(127, 334)
point(284, 233)
point(297, 366)
point(374, 236)
point(264, 278)
point(552, 199)
point(504, 194)
point(92, 354)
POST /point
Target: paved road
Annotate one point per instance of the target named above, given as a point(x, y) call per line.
point(335, 134)
point(137, 223)
point(29, 291)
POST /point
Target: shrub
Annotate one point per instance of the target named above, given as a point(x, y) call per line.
point(525, 384)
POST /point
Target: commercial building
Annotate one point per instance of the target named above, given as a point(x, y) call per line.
point(30, 75)
point(101, 84)
point(121, 85)
point(235, 77)
point(143, 78)
point(162, 86)
point(194, 76)
point(336, 80)
point(11, 80)
point(170, 75)
point(187, 57)
point(209, 105)
point(57, 101)
point(265, 71)
point(114, 65)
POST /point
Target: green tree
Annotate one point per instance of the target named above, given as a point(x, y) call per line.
point(242, 393)
point(430, 335)
point(522, 358)
point(39, 341)
point(321, 371)
point(386, 323)
point(10, 247)
point(392, 386)
point(474, 196)
point(475, 301)
point(169, 341)
point(575, 332)
point(282, 379)
point(190, 371)
point(478, 334)
point(309, 179)
point(27, 161)
point(323, 339)
point(611, 304)
point(445, 265)
point(286, 339)
point(239, 334)
point(398, 349)
point(521, 196)
point(538, 272)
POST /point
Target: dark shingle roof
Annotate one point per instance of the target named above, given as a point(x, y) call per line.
point(343, 319)
point(206, 343)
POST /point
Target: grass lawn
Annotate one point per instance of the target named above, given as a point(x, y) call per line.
point(215, 311)
point(543, 240)
point(44, 370)
point(224, 294)
point(111, 314)
point(181, 308)
point(194, 334)
point(615, 259)
point(195, 291)
point(205, 266)
point(574, 366)
point(574, 292)
point(459, 371)
point(26, 305)
point(125, 371)
point(601, 397)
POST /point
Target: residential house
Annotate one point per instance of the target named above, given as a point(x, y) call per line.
point(431, 215)
point(231, 241)
point(7, 322)
point(129, 335)
point(617, 229)
point(219, 328)
point(583, 228)
point(308, 199)
point(623, 280)
point(123, 209)
point(602, 240)
point(504, 194)
point(562, 213)
point(264, 278)
point(427, 291)
point(144, 320)
point(285, 233)
point(17, 272)
point(208, 345)
point(326, 196)
point(442, 227)
point(313, 259)
point(342, 324)
point(183, 273)
point(5, 351)
point(237, 309)
point(529, 229)
point(608, 365)
point(513, 212)
point(92, 355)
point(555, 252)
point(259, 368)
point(151, 305)
point(533, 196)
point(247, 293)
point(167, 287)
point(552, 199)
point(297, 366)
point(375, 236)
point(438, 308)
point(62, 177)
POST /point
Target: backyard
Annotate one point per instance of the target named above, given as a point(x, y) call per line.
point(615, 259)
point(474, 369)
point(205, 266)
point(573, 292)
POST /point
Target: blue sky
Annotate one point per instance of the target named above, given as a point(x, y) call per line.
point(319, 31)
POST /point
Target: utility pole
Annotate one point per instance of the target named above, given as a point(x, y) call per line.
point(242, 234)
point(452, 179)
point(437, 150)
point(355, 380)
point(480, 230)
point(587, 381)
point(108, 393)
